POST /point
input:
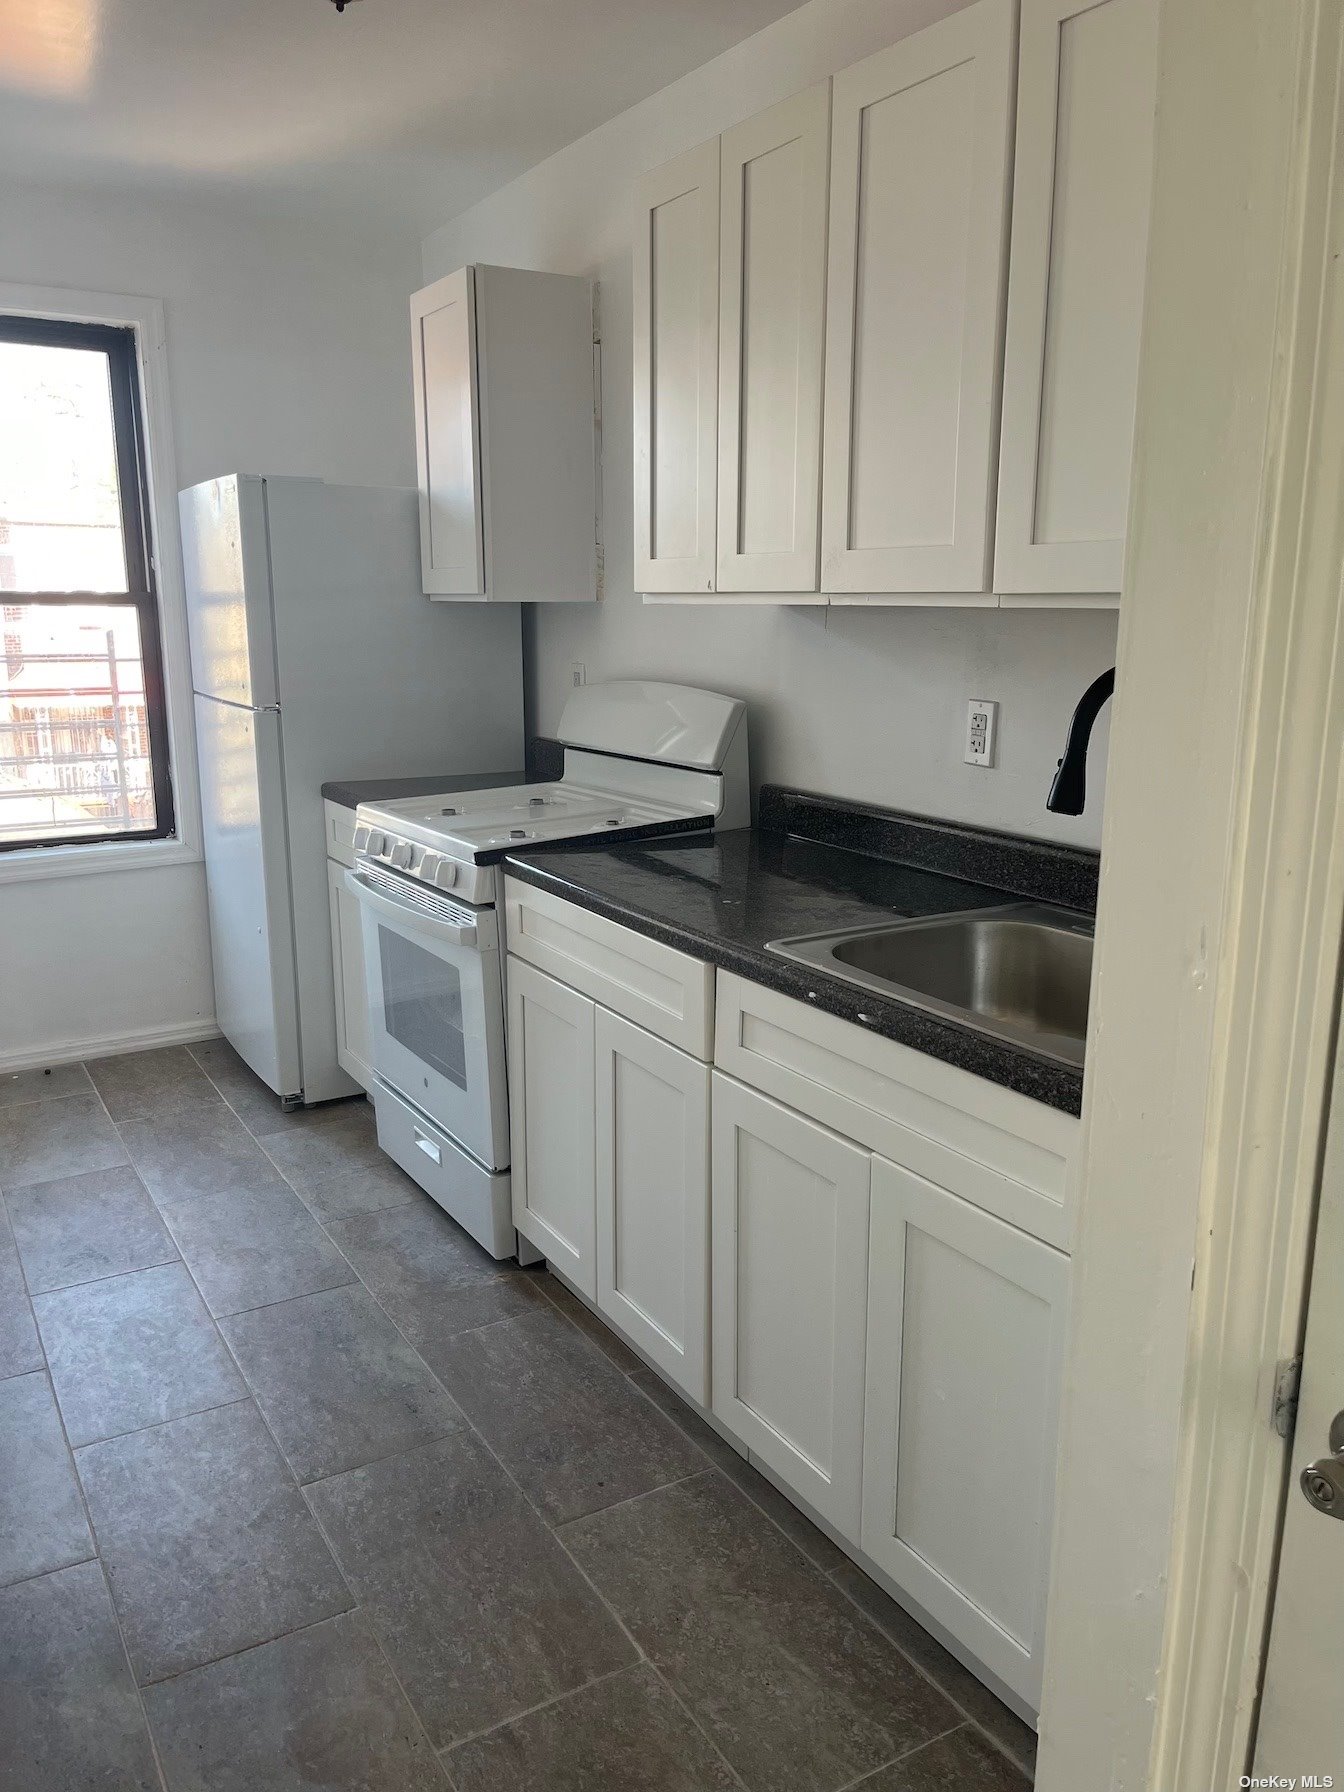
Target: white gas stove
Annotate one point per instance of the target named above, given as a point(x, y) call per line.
point(641, 759)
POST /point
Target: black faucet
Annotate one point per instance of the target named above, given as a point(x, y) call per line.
point(1068, 793)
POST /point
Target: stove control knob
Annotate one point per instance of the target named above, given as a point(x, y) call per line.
point(401, 855)
point(428, 866)
point(361, 838)
point(375, 845)
point(445, 874)
point(536, 802)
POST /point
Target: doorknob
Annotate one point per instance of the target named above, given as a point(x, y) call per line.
point(1323, 1480)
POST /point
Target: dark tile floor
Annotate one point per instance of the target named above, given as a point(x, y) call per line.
point(299, 1489)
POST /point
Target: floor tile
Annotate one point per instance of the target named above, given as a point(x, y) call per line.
point(19, 1348)
point(433, 1279)
point(43, 1085)
point(133, 1350)
point(40, 1140)
point(239, 1085)
point(685, 1418)
point(337, 1382)
point(207, 1542)
point(194, 1151)
point(247, 1247)
point(482, 1614)
point(593, 1328)
point(961, 1762)
point(42, 1523)
point(368, 1188)
point(137, 1085)
point(69, 1715)
point(323, 1141)
point(83, 1227)
point(318, 1709)
point(627, 1732)
point(563, 1420)
point(798, 1691)
point(958, 1682)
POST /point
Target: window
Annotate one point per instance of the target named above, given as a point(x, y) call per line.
point(83, 726)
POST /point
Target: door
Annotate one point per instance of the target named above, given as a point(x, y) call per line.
point(354, 1042)
point(1087, 85)
point(447, 436)
point(552, 1107)
point(1301, 1725)
point(676, 355)
point(965, 1354)
point(227, 577)
point(247, 879)
point(919, 207)
point(772, 308)
point(436, 1007)
point(789, 1228)
point(652, 1167)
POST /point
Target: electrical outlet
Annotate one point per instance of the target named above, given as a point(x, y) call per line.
point(578, 673)
point(982, 727)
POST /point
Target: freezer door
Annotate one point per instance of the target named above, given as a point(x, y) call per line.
point(226, 561)
point(247, 874)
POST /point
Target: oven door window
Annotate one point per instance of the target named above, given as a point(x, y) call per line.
point(422, 1005)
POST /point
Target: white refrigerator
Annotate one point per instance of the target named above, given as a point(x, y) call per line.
point(315, 656)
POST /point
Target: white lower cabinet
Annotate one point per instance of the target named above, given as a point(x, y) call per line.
point(790, 1290)
point(964, 1358)
point(551, 1107)
point(652, 1137)
point(354, 1040)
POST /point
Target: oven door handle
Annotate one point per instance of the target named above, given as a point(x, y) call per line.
point(453, 933)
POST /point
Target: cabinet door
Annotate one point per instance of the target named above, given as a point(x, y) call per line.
point(1086, 89)
point(965, 1354)
point(551, 1113)
point(676, 347)
point(447, 436)
point(354, 1041)
point(772, 299)
point(919, 194)
point(789, 1231)
point(653, 1199)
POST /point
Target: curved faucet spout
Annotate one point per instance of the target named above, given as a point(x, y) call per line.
point(1068, 793)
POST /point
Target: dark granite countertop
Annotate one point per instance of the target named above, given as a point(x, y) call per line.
point(722, 896)
point(351, 792)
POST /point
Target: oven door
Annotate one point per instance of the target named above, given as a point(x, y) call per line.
point(436, 1007)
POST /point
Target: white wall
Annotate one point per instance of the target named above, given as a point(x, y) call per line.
point(868, 705)
point(287, 352)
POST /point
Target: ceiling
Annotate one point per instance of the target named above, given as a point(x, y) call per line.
point(416, 108)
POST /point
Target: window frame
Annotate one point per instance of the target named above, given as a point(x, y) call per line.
point(133, 853)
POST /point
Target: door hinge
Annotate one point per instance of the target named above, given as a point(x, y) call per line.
point(1287, 1381)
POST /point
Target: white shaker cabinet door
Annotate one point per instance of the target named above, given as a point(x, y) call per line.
point(918, 233)
point(354, 1037)
point(789, 1224)
point(551, 1118)
point(676, 333)
point(447, 436)
point(965, 1353)
point(1086, 93)
point(653, 1199)
point(772, 285)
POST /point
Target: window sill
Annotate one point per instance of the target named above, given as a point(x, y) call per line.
point(84, 861)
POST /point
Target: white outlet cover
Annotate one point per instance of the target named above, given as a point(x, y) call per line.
point(982, 729)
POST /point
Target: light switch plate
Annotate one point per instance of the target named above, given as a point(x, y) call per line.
point(982, 728)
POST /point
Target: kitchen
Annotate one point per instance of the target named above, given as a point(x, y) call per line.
point(804, 1126)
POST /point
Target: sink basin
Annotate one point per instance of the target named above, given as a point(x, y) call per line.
point(1020, 973)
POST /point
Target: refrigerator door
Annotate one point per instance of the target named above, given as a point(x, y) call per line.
point(247, 873)
point(226, 562)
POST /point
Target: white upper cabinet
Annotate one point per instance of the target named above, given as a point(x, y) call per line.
point(505, 442)
point(676, 335)
point(918, 223)
point(772, 296)
point(1086, 87)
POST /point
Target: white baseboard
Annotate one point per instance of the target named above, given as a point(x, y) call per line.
point(189, 1033)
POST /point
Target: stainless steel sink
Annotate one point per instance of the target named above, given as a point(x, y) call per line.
point(1020, 972)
